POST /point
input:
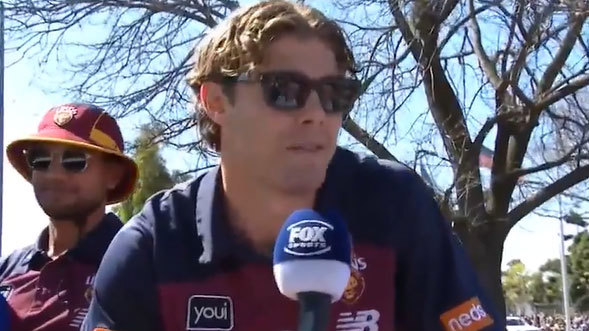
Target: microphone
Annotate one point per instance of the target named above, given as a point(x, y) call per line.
point(312, 257)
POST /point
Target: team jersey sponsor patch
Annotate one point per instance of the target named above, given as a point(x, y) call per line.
point(468, 316)
point(209, 312)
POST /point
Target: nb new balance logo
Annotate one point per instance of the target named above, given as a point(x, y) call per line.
point(364, 320)
point(79, 315)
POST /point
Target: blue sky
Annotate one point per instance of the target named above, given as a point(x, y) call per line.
point(533, 240)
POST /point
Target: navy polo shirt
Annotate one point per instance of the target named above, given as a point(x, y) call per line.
point(54, 295)
point(178, 265)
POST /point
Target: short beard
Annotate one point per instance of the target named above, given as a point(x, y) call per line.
point(78, 214)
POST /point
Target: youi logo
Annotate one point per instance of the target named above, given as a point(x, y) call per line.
point(210, 312)
point(308, 237)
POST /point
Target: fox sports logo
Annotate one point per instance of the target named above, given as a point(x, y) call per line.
point(309, 238)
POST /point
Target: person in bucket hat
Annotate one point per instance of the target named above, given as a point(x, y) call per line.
point(76, 165)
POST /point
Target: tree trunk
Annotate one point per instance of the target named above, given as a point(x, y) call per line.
point(484, 245)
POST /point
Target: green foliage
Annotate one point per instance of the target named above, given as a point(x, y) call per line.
point(544, 286)
point(575, 218)
point(517, 284)
point(515, 263)
point(153, 174)
point(553, 265)
point(579, 257)
point(538, 288)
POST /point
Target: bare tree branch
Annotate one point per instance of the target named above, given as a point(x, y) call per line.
point(517, 173)
point(486, 128)
point(562, 184)
point(566, 46)
point(404, 28)
point(456, 27)
point(367, 140)
point(530, 37)
point(519, 10)
point(487, 65)
point(567, 89)
point(447, 9)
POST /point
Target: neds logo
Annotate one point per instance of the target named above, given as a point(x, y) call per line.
point(469, 316)
point(207, 312)
point(307, 237)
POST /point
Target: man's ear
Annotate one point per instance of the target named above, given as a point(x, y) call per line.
point(214, 101)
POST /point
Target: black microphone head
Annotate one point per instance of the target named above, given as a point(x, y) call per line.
point(312, 254)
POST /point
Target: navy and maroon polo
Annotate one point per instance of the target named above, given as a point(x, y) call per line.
point(54, 295)
point(179, 265)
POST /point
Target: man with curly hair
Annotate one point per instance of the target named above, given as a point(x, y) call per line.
point(273, 84)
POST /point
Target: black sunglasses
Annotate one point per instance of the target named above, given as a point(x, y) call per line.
point(40, 159)
point(289, 90)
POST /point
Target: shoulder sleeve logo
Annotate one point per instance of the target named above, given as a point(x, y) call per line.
point(468, 316)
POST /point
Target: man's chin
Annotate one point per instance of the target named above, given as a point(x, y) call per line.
point(59, 214)
point(69, 212)
point(303, 183)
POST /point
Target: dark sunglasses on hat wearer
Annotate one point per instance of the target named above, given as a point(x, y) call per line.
point(72, 161)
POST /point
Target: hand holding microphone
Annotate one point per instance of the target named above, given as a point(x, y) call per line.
point(312, 257)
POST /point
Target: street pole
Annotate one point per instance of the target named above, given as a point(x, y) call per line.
point(563, 271)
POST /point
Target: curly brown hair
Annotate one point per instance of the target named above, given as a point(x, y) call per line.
point(237, 46)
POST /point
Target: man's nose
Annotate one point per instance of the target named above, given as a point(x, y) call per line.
point(312, 112)
point(55, 168)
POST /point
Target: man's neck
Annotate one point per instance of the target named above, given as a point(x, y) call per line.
point(257, 211)
point(65, 234)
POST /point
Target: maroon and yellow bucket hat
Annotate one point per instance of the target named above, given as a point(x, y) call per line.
point(81, 125)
